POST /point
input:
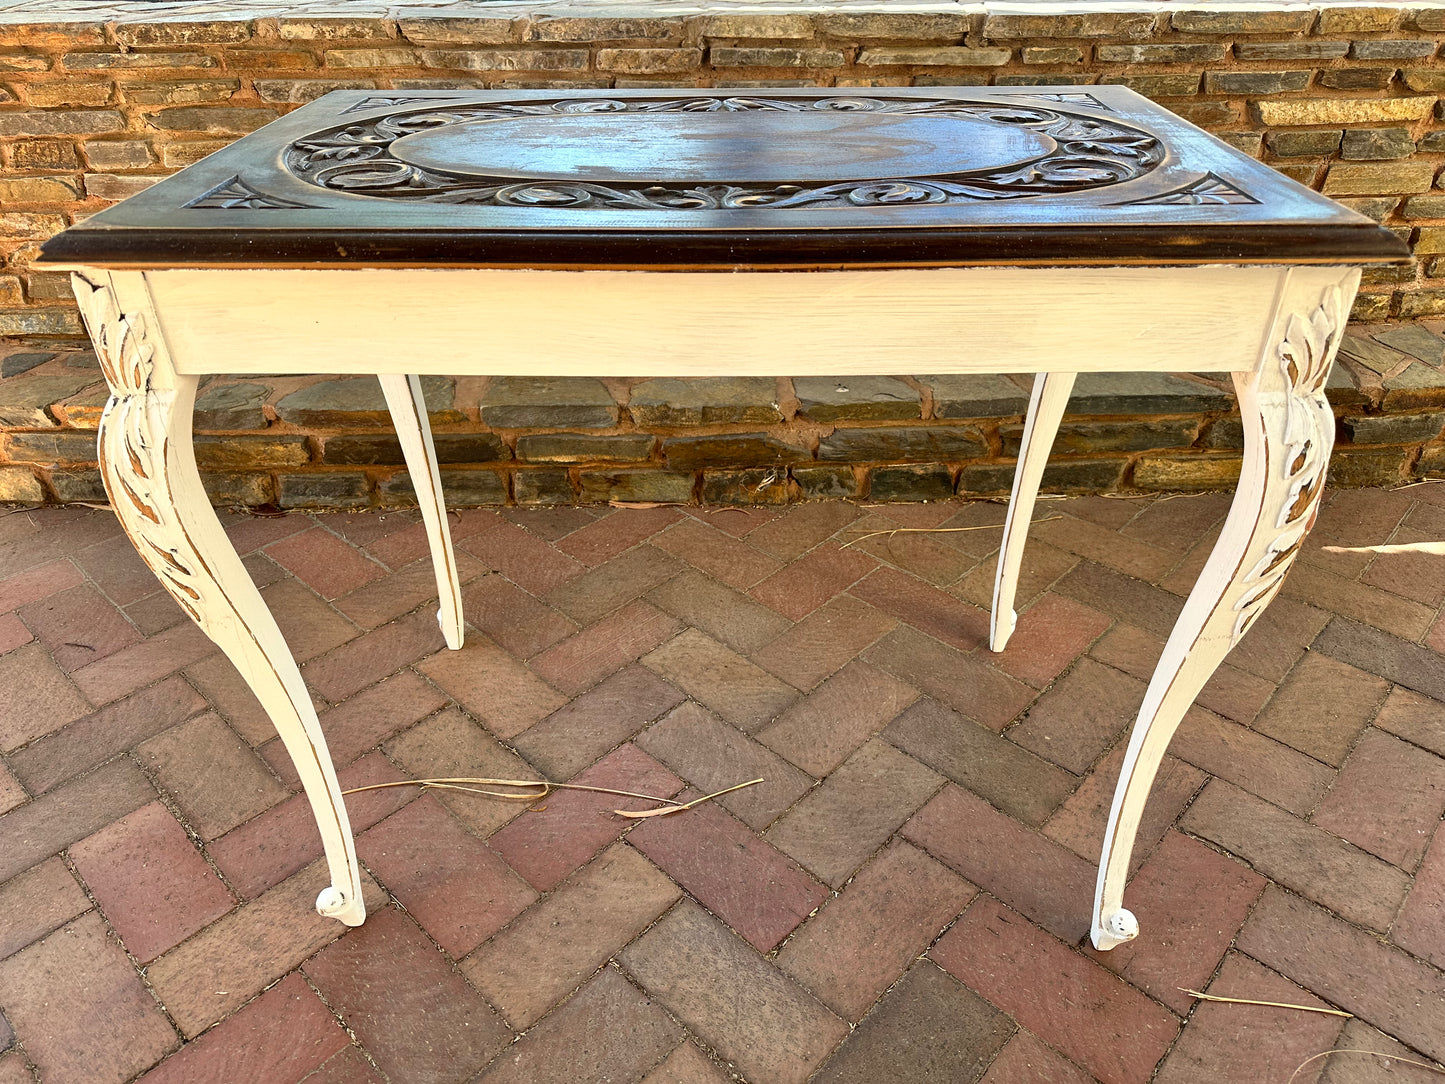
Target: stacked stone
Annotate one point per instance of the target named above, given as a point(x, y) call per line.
point(1345, 99)
point(326, 442)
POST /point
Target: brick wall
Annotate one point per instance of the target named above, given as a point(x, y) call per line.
point(1347, 99)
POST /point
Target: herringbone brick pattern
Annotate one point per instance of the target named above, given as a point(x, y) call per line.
point(905, 897)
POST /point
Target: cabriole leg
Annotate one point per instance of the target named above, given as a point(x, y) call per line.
point(408, 413)
point(1288, 433)
point(1046, 410)
point(149, 468)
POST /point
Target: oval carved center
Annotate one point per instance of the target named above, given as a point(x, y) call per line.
point(721, 147)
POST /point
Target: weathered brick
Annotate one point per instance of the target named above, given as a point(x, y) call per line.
point(1377, 143)
point(1424, 80)
point(217, 32)
point(230, 961)
point(523, 60)
point(52, 95)
point(1348, 178)
point(1222, 1043)
point(705, 401)
point(1052, 54)
point(1251, 82)
point(600, 29)
point(60, 122)
point(191, 91)
point(763, 57)
point(188, 152)
point(1399, 49)
point(757, 25)
point(550, 948)
point(131, 61)
point(394, 56)
point(1242, 22)
point(929, 1026)
point(996, 952)
point(648, 61)
point(1091, 25)
point(1160, 54)
point(904, 25)
point(1299, 143)
point(1300, 49)
point(701, 973)
point(333, 29)
point(1349, 967)
point(116, 187)
point(1343, 110)
point(1158, 85)
point(80, 1007)
point(1358, 20)
point(123, 154)
point(1339, 875)
point(459, 31)
point(955, 56)
point(1361, 79)
point(212, 120)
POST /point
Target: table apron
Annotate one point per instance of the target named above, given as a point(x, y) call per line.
point(648, 323)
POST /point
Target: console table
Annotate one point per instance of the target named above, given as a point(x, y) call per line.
point(1049, 230)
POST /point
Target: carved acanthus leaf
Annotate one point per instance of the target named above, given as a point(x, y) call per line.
point(131, 444)
point(1293, 492)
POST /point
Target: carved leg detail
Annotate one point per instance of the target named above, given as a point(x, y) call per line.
point(1289, 431)
point(146, 459)
point(408, 413)
point(1046, 410)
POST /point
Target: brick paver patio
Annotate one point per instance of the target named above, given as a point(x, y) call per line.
point(904, 899)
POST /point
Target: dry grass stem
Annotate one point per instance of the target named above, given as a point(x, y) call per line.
point(1269, 1004)
point(937, 530)
point(1373, 1053)
point(534, 790)
point(1399, 547)
point(674, 808)
point(1412, 485)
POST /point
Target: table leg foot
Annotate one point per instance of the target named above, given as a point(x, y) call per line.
point(1288, 433)
point(335, 903)
point(1046, 409)
point(149, 468)
point(408, 413)
point(1113, 929)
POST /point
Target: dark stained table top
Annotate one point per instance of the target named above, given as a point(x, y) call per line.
point(684, 178)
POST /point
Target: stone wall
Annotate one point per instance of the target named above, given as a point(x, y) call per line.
point(1347, 99)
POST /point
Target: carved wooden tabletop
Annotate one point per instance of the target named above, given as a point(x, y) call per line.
point(786, 177)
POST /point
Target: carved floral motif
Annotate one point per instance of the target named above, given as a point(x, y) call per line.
point(131, 445)
point(1088, 152)
point(1295, 484)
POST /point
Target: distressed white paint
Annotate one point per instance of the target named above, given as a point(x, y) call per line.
point(407, 405)
point(1046, 409)
point(636, 323)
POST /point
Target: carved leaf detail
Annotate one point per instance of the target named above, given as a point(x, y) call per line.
point(130, 444)
point(1304, 354)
